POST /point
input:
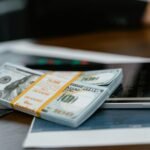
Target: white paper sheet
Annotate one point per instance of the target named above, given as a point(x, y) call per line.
point(104, 128)
point(29, 47)
point(68, 53)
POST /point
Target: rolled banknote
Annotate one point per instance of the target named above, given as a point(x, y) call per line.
point(63, 98)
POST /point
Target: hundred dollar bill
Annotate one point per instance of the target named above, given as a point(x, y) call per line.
point(75, 104)
point(109, 78)
point(97, 77)
point(13, 80)
point(59, 99)
point(100, 77)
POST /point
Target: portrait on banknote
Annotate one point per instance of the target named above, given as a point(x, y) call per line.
point(13, 81)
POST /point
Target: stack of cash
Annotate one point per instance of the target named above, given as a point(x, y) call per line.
point(109, 78)
point(68, 98)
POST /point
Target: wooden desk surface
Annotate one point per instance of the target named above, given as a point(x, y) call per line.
point(14, 127)
point(127, 42)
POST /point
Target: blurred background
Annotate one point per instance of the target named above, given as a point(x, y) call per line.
point(51, 18)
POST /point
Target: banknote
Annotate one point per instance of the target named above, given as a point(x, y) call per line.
point(97, 77)
point(13, 80)
point(68, 98)
point(109, 78)
point(75, 102)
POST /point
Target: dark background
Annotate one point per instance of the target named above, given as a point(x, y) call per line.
point(46, 18)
